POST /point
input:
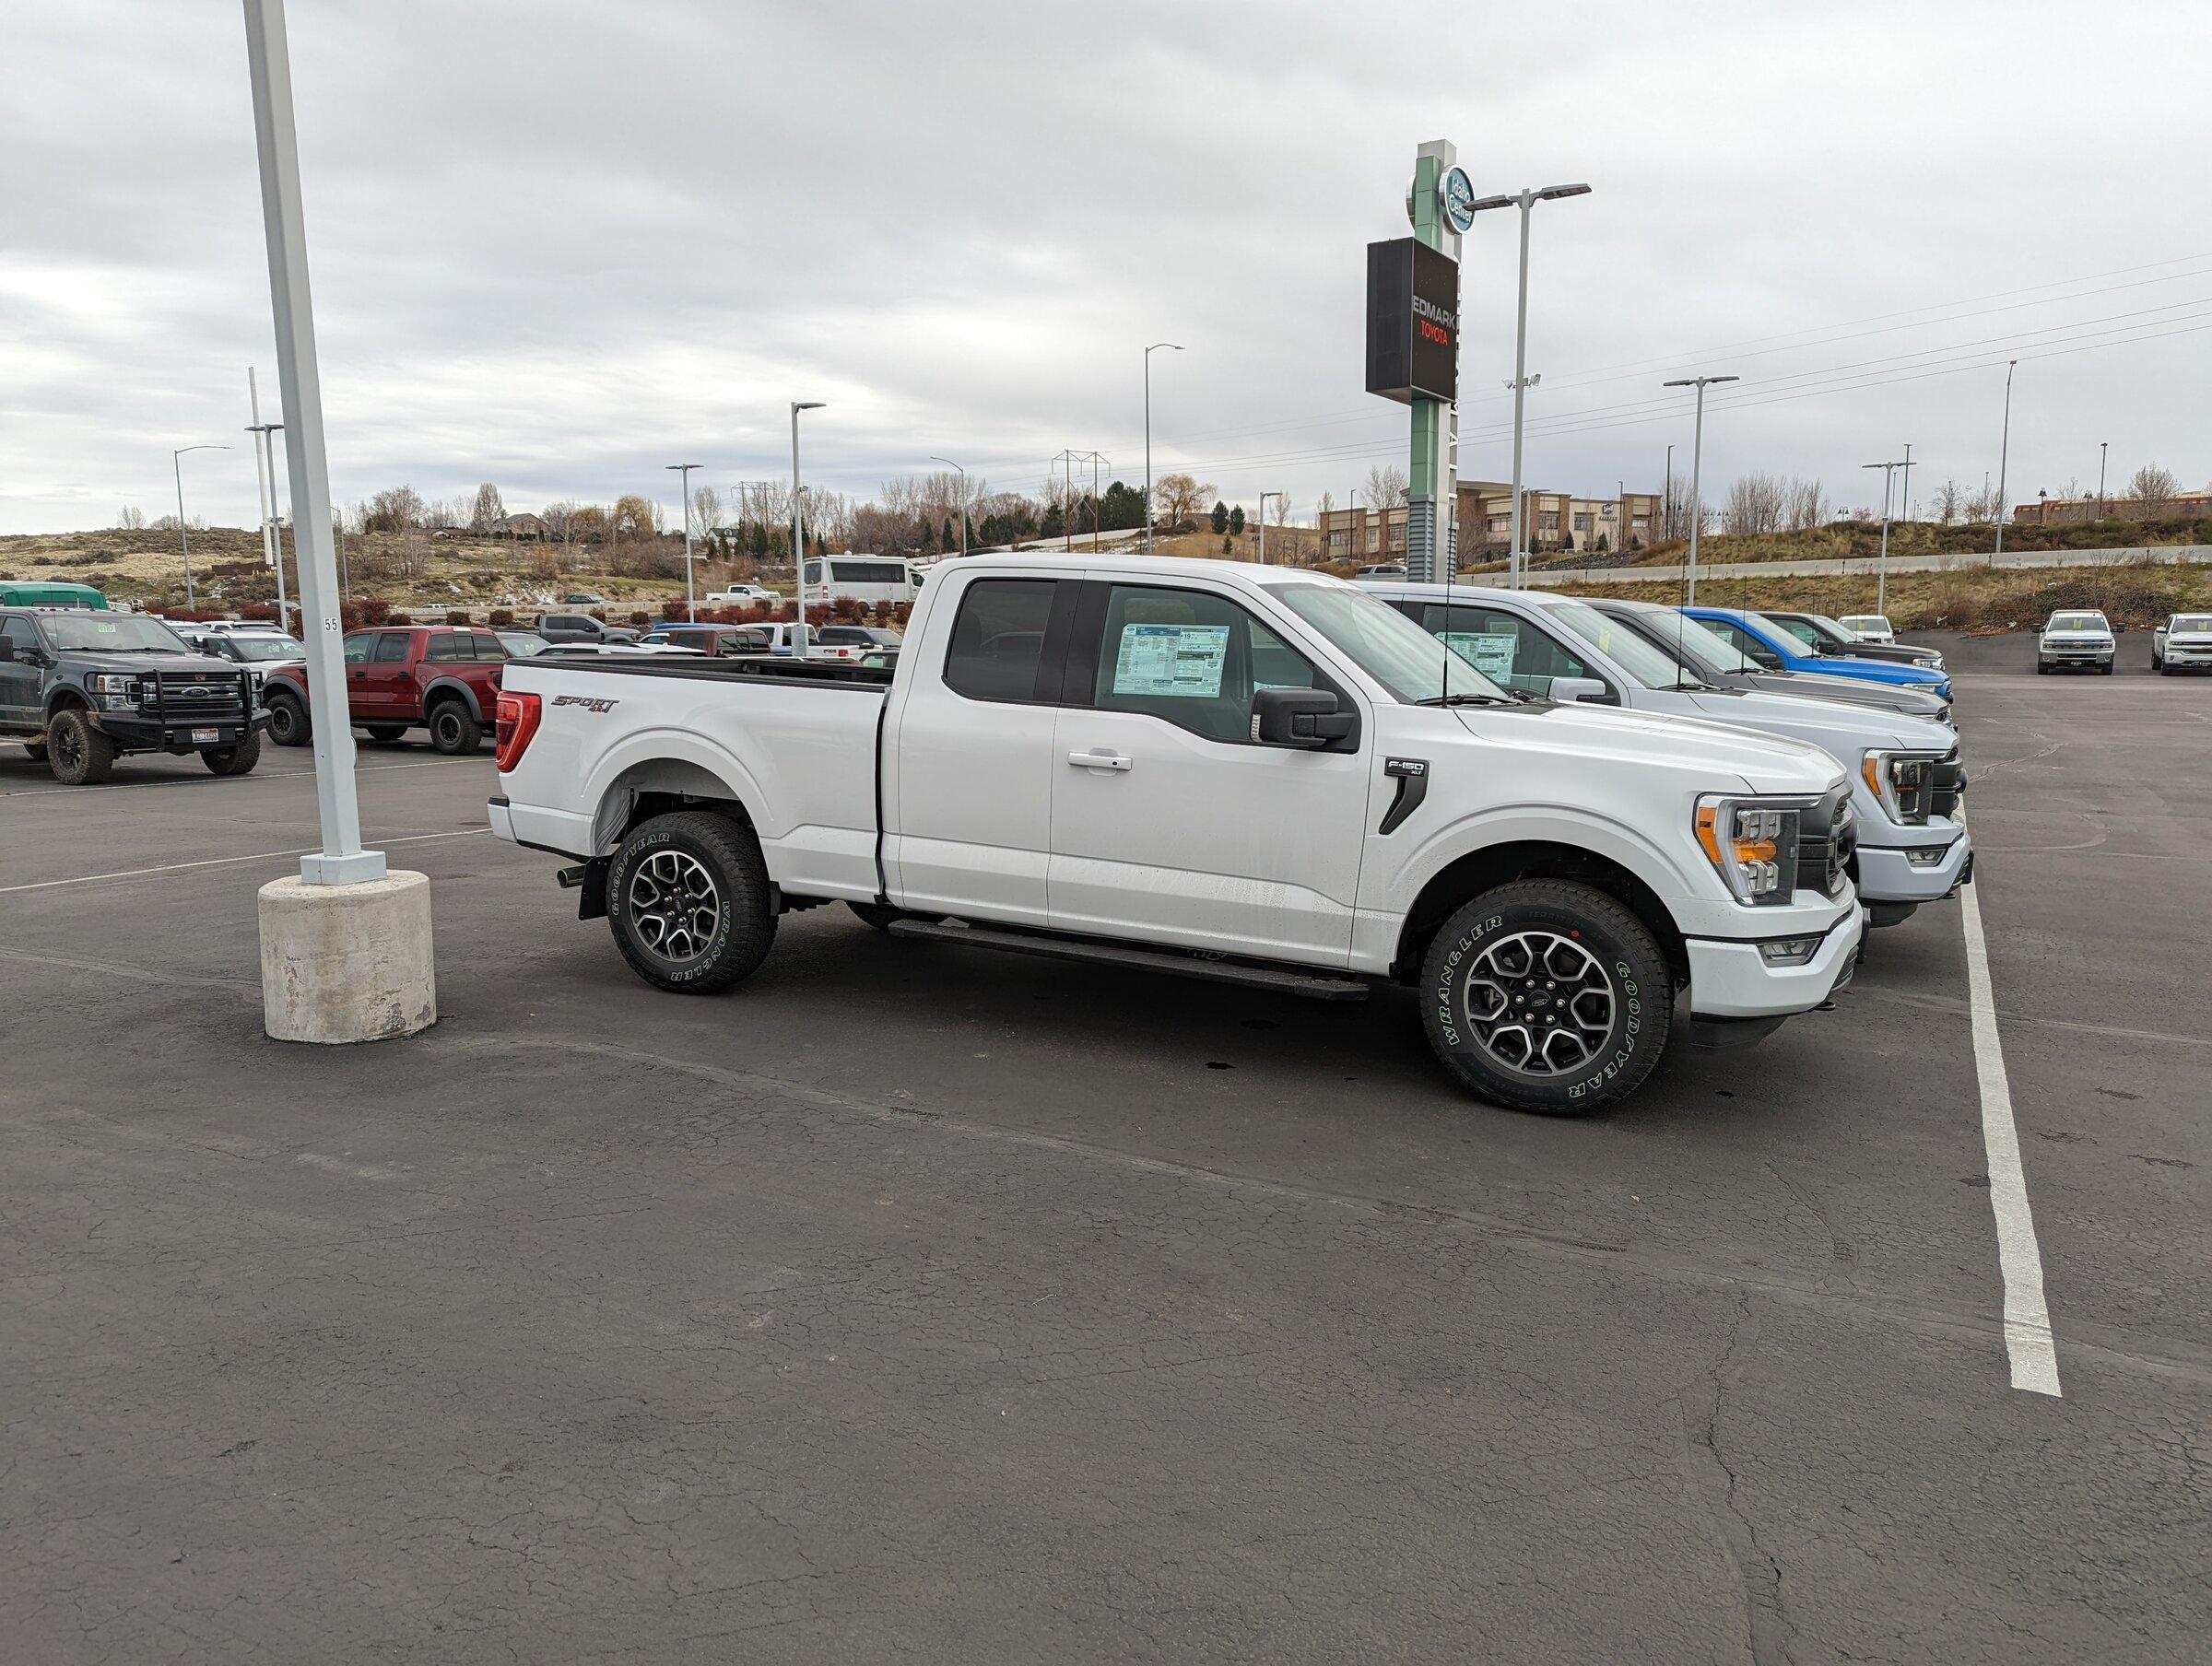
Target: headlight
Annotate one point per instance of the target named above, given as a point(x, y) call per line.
point(107, 683)
point(1752, 844)
point(1900, 780)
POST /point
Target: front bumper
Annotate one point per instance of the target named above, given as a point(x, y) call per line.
point(135, 733)
point(2189, 659)
point(1732, 979)
point(1887, 874)
point(2075, 654)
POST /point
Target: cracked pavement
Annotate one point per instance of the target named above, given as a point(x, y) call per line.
point(918, 1302)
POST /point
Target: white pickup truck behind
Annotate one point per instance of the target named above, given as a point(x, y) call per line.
point(1256, 774)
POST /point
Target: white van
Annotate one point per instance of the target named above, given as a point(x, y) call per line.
point(866, 578)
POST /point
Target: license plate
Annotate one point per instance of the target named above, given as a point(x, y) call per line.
point(206, 737)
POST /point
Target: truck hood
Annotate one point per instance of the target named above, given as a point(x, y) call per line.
point(82, 660)
point(1709, 750)
point(2071, 638)
point(1832, 725)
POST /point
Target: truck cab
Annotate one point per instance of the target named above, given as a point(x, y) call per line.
point(1261, 775)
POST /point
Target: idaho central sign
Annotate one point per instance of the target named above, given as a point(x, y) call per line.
point(1412, 322)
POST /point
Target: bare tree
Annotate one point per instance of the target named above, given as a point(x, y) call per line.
point(1281, 512)
point(1676, 516)
point(131, 519)
point(1754, 504)
point(706, 509)
point(2153, 488)
point(1385, 487)
point(486, 514)
point(1950, 503)
point(1808, 505)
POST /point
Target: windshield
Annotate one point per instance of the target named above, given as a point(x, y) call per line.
point(1695, 649)
point(1653, 667)
point(1385, 644)
point(269, 646)
point(1829, 631)
point(2076, 621)
point(1863, 621)
point(2191, 622)
point(109, 633)
point(521, 645)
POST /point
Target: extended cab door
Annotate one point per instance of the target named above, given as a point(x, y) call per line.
point(381, 688)
point(967, 807)
point(1169, 823)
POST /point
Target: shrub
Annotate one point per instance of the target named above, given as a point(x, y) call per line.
point(502, 618)
point(641, 618)
point(369, 611)
point(457, 615)
point(401, 618)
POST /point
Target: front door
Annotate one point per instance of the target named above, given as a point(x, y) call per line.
point(968, 809)
point(1169, 823)
point(381, 690)
point(18, 676)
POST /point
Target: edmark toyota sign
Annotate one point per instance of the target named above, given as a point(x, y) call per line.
point(1412, 322)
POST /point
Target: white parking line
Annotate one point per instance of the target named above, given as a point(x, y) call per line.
point(212, 781)
point(222, 862)
point(2026, 1316)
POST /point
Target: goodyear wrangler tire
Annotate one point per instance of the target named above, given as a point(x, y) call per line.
point(1548, 996)
point(687, 900)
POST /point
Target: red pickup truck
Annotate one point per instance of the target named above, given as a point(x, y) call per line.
point(444, 678)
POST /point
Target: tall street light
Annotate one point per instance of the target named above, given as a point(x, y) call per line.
point(177, 469)
point(683, 473)
point(962, 472)
point(1881, 582)
point(1525, 200)
point(2004, 456)
point(1149, 352)
point(2102, 446)
point(265, 460)
point(1264, 496)
point(1697, 466)
point(799, 529)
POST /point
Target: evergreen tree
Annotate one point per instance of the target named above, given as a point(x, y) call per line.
point(1220, 516)
point(1236, 519)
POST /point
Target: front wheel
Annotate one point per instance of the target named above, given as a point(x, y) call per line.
point(687, 900)
point(2108, 668)
point(1548, 996)
point(234, 760)
point(79, 753)
point(287, 721)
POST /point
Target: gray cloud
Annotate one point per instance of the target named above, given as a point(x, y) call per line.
point(558, 245)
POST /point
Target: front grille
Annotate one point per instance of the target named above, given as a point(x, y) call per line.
point(1828, 836)
point(198, 698)
point(1946, 782)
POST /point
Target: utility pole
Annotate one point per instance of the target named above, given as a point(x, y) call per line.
point(683, 475)
point(2004, 457)
point(1881, 582)
point(1697, 468)
point(1149, 352)
point(1666, 499)
point(2102, 446)
point(177, 469)
point(949, 464)
point(1523, 381)
point(264, 463)
point(798, 530)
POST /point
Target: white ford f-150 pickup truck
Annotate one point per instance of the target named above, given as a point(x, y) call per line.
point(1254, 774)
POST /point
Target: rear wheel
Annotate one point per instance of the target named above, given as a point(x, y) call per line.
point(79, 753)
point(454, 729)
point(1547, 995)
point(287, 721)
point(687, 900)
point(234, 760)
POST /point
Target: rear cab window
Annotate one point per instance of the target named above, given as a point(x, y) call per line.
point(997, 649)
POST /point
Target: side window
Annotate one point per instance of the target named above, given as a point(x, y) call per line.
point(814, 572)
point(391, 648)
point(1507, 650)
point(999, 639)
point(358, 646)
point(1757, 652)
point(1805, 633)
point(451, 645)
point(19, 631)
point(489, 647)
point(1190, 659)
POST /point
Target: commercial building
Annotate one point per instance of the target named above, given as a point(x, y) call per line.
point(1557, 523)
point(2073, 512)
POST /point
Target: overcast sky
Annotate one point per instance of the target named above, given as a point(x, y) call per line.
point(556, 245)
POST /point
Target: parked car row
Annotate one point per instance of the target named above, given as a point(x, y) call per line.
point(1574, 830)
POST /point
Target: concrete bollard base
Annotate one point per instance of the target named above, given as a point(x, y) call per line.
point(347, 962)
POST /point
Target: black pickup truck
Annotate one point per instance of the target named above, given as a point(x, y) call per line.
point(80, 687)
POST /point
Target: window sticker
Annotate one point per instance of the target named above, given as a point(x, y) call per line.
point(1490, 652)
point(1179, 662)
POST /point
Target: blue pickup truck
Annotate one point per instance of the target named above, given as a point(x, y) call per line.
point(1768, 645)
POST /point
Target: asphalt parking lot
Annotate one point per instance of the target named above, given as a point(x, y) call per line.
point(917, 1301)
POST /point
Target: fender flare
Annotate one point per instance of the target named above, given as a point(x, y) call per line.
point(1627, 847)
point(442, 687)
point(668, 760)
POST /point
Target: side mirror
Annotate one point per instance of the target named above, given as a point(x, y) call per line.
point(211, 651)
point(1298, 717)
point(1582, 691)
point(1765, 659)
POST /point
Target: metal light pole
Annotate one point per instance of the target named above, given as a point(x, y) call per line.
point(177, 469)
point(342, 861)
point(1525, 200)
point(1881, 582)
point(265, 462)
point(2004, 456)
point(1149, 352)
point(1264, 496)
point(2102, 446)
point(1904, 488)
point(683, 473)
point(957, 469)
point(799, 529)
point(1697, 471)
point(1666, 499)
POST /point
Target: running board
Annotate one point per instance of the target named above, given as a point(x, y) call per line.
point(1317, 986)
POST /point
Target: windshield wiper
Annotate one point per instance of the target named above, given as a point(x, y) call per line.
point(1688, 684)
point(1462, 700)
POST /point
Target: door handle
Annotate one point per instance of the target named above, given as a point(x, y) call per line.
point(1100, 760)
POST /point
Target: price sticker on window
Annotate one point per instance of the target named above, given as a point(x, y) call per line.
point(1490, 652)
point(1175, 662)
